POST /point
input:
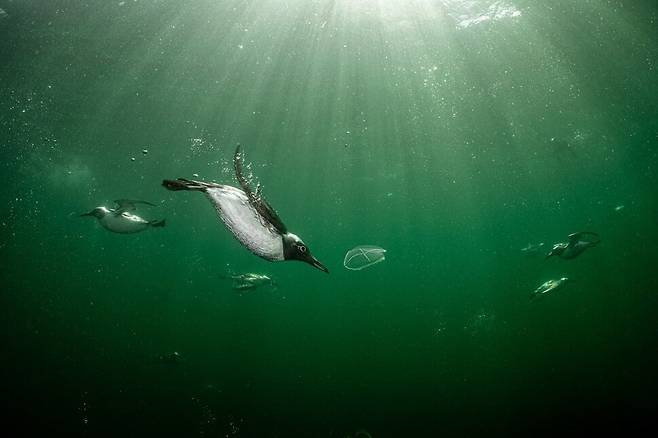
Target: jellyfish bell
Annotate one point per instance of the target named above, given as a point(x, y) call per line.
point(363, 256)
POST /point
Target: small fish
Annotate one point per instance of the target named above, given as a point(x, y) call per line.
point(619, 208)
point(249, 281)
point(174, 358)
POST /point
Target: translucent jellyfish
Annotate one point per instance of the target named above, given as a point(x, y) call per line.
point(363, 256)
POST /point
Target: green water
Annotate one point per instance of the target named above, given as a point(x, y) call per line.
point(450, 133)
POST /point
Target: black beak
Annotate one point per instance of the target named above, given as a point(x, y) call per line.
point(316, 263)
point(91, 213)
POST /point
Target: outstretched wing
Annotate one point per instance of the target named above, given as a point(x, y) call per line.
point(128, 205)
point(255, 198)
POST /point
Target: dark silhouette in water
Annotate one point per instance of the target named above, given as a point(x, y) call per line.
point(578, 242)
point(563, 149)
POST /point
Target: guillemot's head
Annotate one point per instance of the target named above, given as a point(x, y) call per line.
point(97, 212)
point(295, 249)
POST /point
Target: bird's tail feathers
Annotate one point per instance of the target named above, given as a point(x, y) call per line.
point(157, 223)
point(187, 184)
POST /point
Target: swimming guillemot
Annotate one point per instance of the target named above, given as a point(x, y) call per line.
point(250, 218)
point(120, 220)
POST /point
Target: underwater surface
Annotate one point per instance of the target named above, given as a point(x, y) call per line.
point(465, 137)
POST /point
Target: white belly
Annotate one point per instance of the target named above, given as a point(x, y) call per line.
point(245, 223)
point(125, 223)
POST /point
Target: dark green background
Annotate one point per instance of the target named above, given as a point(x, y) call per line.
point(452, 144)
